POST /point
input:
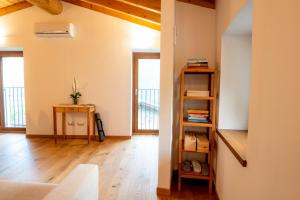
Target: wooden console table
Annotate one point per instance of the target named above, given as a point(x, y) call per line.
point(89, 109)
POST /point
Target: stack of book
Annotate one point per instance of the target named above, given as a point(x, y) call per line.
point(197, 63)
point(197, 93)
point(198, 116)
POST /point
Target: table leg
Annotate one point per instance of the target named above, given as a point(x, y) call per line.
point(54, 126)
point(88, 126)
point(93, 113)
point(63, 125)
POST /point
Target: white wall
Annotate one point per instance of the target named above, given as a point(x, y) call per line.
point(166, 94)
point(195, 37)
point(235, 82)
point(274, 92)
point(99, 57)
point(226, 12)
point(273, 141)
point(236, 59)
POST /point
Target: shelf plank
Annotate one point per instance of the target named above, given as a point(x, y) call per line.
point(194, 151)
point(199, 70)
point(194, 175)
point(196, 124)
point(198, 98)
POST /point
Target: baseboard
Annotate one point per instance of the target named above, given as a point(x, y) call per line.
point(22, 131)
point(144, 133)
point(118, 136)
point(163, 191)
point(75, 136)
point(38, 136)
point(59, 136)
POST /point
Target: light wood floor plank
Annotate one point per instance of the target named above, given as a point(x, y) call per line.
point(128, 167)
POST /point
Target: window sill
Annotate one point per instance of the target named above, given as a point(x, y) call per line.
point(236, 141)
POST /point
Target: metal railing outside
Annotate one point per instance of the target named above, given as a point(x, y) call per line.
point(148, 109)
point(14, 107)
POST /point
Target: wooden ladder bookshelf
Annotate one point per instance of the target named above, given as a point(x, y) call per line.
point(210, 126)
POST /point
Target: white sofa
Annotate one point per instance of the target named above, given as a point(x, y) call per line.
point(81, 184)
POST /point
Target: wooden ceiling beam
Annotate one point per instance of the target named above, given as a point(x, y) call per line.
point(147, 4)
point(128, 12)
point(115, 13)
point(202, 3)
point(15, 7)
point(53, 7)
point(127, 8)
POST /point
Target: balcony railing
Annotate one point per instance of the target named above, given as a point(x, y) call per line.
point(14, 107)
point(148, 107)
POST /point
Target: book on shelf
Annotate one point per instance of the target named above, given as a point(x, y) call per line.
point(198, 62)
point(198, 120)
point(200, 116)
point(197, 114)
point(191, 111)
point(197, 117)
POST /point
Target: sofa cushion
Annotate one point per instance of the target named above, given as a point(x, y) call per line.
point(12, 190)
point(81, 184)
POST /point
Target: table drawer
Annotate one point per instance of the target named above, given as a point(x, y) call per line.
point(59, 109)
point(70, 109)
point(83, 109)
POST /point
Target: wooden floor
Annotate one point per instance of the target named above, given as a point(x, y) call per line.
point(128, 167)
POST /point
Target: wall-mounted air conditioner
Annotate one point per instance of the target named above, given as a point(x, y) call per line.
point(54, 29)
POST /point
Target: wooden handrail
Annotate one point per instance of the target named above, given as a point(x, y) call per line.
point(242, 161)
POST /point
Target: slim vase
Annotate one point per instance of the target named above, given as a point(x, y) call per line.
point(75, 101)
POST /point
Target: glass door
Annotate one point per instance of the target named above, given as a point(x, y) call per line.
point(146, 92)
point(13, 96)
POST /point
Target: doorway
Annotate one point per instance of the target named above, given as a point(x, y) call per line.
point(146, 93)
point(12, 96)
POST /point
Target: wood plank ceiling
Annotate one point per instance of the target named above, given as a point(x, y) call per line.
point(143, 12)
